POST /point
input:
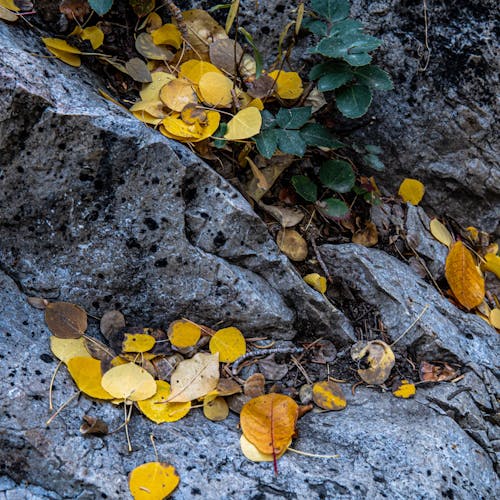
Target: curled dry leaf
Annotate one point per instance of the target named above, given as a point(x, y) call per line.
point(255, 385)
point(268, 422)
point(328, 395)
point(38, 302)
point(306, 394)
point(291, 243)
point(437, 372)
point(195, 377)
point(317, 281)
point(368, 236)
point(165, 365)
point(378, 358)
point(66, 320)
point(93, 426)
point(463, 276)
point(111, 323)
point(153, 481)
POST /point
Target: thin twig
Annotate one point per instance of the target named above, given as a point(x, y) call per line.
point(301, 369)
point(51, 406)
point(252, 354)
point(313, 455)
point(61, 408)
point(417, 319)
point(426, 39)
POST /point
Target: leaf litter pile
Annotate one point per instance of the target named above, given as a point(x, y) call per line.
point(270, 132)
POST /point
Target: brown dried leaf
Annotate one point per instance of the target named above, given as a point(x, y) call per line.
point(272, 370)
point(138, 71)
point(75, 9)
point(93, 426)
point(291, 243)
point(368, 236)
point(111, 323)
point(329, 395)
point(226, 54)
point(287, 217)
point(255, 385)
point(261, 88)
point(66, 320)
point(437, 372)
point(378, 358)
point(38, 302)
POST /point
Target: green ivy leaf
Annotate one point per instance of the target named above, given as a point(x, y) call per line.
point(219, 142)
point(374, 161)
point(331, 207)
point(374, 77)
point(315, 26)
point(290, 141)
point(333, 10)
point(268, 120)
point(353, 101)
point(334, 80)
point(267, 142)
point(337, 175)
point(293, 118)
point(305, 187)
point(359, 59)
point(316, 135)
point(101, 7)
point(346, 26)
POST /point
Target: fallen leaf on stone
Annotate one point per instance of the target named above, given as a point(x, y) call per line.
point(195, 377)
point(463, 276)
point(244, 124)
point(93, 426)
point(268, 422)
point(437, 372)
point(7, 15)
point(227, 387)
point(287, 217)
point(252, 452)
point(66, 320)
point(291, 243)
point(138, 71)
point(368, 236)
point(317, 281)
point(168, 34)
point(94, 35)
point(495, 318)
point(178, 94)
point(229, 343)
point(111, 323)
point(492, 264)
point(130, 382)
point(147, 48)
point(404, 389)
point(86, 372)
point(306, 394)
point(440, 232)
point(137, 342)
point(271, 169)
point(215, 408)
point(377, 360)
point(65, 349)
point(183, 333)
point(288, 84)
point(216, 90)
point(324, 352)
point(329, 395)
point(236, 402)
point(254, 385)
point(63, 51)
point(262, 87)
point(10, 5)
point(411, 191)
point(151, 91)
point(165, 365)
point(226, 54)
point(100, 351)
point(272, 370)
point(157, 409)
point(153, 481)
point(38, 302)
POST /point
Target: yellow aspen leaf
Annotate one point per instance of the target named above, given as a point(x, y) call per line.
point(473, 233)
point(66, 349)
point(183, 333)
point(379, 358)
point(118, 361)
point(244, 124)
point(168, 34)
point(215, 409)
point(328, 395)
point(66, 57)
point(145, 117)
point(492, 264)
point(138, 342)
point(291, 243)
point(10, 5)
point(440, 232)
point(164, 412)
point(288, 84)
point(252, 453)
point(62, 45)
point(256, 103)
point(268, 422)
point(153, 481)
point(411, 191)
point(94, 35)
point(194, 378)
point(495, 318)
point(129, 382)
point(153, 22)
point(193, 70)
point(151, 91)
point(216, 89)
point(177, 94)
point(405, 390)
point(86, 372)
point(66, 320)
point(7, 15)
point(175, 127)
point(463, 276)
point(229, 343)
point(317, 281)
point(155, 109)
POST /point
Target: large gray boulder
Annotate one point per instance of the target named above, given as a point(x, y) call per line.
point(100, 210)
